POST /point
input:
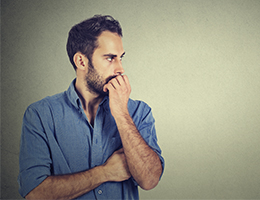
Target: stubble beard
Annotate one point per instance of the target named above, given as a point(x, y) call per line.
point(94, 82)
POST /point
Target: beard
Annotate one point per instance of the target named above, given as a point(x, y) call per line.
point(94, 82)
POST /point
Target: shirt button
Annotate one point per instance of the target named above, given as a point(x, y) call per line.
point(99, 191)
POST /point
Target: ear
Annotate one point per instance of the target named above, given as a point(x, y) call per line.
point(80, 61)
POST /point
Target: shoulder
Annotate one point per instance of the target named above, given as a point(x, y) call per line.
point(138, 105)
point(140, 112)
point(47, 103)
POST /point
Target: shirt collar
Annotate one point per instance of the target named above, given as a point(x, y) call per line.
point(72, 94)
point(105, 104)
point(74, 98)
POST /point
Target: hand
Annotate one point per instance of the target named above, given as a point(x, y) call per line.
point(116, 168)
point(119, 92)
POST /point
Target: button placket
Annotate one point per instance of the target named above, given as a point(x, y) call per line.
point(97, 142)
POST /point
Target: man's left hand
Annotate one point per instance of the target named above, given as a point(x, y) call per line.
point(119, 92)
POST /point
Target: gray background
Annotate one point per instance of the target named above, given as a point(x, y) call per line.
point(196, 63)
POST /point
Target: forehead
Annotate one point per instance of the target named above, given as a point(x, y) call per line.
point(109, 42)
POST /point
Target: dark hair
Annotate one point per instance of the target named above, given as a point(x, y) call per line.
point(83, 36)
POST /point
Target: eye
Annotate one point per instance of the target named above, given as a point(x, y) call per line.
point(121, 58)
point(110, 59)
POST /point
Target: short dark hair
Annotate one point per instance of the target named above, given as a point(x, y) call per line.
point(83, 36)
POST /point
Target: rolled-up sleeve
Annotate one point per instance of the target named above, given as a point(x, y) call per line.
point(34, 160)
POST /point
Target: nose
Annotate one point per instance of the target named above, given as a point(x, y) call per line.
point(119, 68)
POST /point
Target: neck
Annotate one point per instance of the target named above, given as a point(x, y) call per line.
point(89, 101)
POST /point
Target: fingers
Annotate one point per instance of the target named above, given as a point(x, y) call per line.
point(108, 87)
point(119, 92)
point(112, 84)
point(116, 167)
point(115, 83)
point(126, 80)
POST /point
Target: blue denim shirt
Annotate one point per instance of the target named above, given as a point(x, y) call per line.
point(58, 139)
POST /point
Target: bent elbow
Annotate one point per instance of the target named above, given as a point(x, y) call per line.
point(149, 184)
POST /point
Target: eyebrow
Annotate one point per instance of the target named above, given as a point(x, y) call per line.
point(113, 55)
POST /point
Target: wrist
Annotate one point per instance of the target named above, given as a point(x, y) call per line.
point(105, 174)
point(122, 116)
point(100, 174)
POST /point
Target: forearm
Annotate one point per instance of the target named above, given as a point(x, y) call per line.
point(68, 186)
point(144, 164)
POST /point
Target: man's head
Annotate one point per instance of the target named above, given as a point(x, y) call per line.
point(83, 37)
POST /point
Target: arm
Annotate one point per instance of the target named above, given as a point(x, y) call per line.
point(144, 164)
point(74, 185)
point(68, 186)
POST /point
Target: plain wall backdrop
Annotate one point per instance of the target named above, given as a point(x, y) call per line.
point(195, 62)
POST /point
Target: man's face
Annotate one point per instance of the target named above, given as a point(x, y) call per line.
point(106, 62)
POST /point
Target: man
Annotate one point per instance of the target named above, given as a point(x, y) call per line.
point(91, 141)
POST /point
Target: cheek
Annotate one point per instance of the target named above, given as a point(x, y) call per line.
point(103, 67)
point(107, 70)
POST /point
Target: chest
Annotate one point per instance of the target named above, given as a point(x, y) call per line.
point(78, 145)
